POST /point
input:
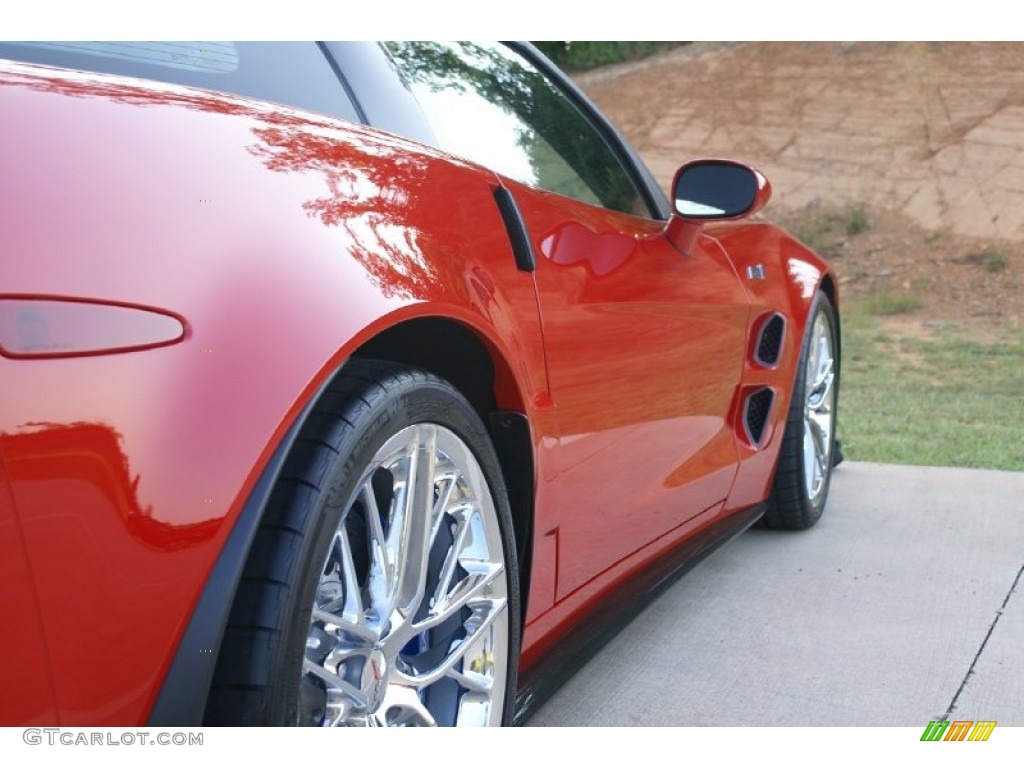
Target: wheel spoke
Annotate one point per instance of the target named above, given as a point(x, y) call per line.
point(418, 525)
point(471, 681)
point(381, 571)
point(820, 410)
point(822, 389)
point(353, 628)
point(334, 683)
point(824, 357)
point(814, 452)
point(819, 424)
point(444, 581)
point(471, 587)
point(484, 613)
point(814, 354)
point(447, 482)
point(810, 460)
point(402, 707)
point(353, 603)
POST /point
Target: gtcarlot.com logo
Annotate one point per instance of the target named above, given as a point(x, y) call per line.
point(70, 737)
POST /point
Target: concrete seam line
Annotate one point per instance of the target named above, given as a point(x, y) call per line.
point(992, 626)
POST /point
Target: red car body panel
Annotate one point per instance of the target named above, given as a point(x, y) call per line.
point(724, 468)
point(285, 241)
point(26, 671)
point(675, 328)
point(793, 274)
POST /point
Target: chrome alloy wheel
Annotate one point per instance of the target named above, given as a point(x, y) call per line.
point(410, 620)
point(819, 406)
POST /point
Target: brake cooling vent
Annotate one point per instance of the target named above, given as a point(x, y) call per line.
point(769, 341)
point(756, 412)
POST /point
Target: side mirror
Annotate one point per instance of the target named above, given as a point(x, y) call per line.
point(712, 190)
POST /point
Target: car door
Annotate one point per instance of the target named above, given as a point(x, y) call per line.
point(644, 344)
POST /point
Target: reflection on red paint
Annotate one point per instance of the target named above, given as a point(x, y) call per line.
point(28, 697)
point(572, 243)
point(67, 455)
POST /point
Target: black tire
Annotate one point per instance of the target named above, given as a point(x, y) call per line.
point(791, 506)
point(260, 677)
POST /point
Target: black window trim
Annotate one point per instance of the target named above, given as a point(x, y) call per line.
point(635, 168)
point(365, 66)
point(345, 86)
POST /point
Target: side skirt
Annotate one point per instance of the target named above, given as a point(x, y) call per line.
point(583, 640)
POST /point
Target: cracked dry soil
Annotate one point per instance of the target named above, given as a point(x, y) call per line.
point(927, 139)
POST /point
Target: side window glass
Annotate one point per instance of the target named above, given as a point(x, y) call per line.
point(488, 104)
point(294, 74)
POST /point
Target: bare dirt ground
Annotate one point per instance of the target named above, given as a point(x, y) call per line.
point(922, 142)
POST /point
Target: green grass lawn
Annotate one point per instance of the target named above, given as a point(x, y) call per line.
point(935, 398)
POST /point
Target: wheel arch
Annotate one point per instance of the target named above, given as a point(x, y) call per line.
point(453, 350)
point(829, 286)
point(473, 365)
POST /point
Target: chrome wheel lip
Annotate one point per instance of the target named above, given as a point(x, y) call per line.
point(410, 620)
point(819, 408)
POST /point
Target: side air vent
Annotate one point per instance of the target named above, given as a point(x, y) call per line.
point(518, 236)
point(756, 412)
point(769, 341)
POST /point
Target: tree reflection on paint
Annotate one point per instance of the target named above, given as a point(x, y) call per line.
point(375, 186)
point(375, 183)
point(55, 455)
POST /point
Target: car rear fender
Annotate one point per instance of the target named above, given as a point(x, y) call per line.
point(284, 241)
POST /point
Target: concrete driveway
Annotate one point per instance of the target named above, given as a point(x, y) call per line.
point(904, 604)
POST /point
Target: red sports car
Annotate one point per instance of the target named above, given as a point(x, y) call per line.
point(369, 384)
